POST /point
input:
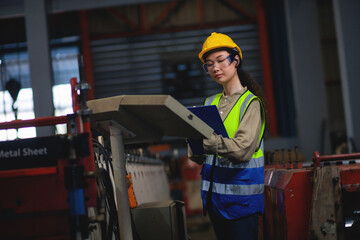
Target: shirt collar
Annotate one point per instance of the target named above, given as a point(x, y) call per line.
point(238, 93)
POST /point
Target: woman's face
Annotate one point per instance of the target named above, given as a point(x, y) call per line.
point(221, 68)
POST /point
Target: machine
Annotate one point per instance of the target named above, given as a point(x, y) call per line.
point(318, 200)
point(74, 186)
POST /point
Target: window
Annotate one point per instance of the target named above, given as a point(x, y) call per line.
point(16, 66)
point(65, 66)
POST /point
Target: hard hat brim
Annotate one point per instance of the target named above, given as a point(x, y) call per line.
point(201, 54)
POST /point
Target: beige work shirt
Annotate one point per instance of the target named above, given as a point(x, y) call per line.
point(242, 146)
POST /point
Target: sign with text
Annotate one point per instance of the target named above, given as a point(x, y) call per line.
point(31, 153)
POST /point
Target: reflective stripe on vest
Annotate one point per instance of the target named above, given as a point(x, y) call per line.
point(257, 161)
point(234, 189)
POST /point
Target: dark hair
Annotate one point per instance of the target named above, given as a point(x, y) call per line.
point(254, 87)
point(248, 81)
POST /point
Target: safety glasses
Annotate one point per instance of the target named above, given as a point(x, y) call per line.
point(223, 63)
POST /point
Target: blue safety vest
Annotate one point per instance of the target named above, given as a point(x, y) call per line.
point(237, 189)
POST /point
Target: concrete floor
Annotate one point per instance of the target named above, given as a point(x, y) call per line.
point(199, 228)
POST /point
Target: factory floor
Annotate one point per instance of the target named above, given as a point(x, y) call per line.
point(199, 228)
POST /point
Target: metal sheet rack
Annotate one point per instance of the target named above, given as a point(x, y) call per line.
point(140, 119)
point(149, 178)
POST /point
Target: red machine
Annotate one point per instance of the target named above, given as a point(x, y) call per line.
point(191, 185)
point(293, 206)
point(47, 183)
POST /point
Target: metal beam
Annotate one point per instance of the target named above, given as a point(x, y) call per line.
point(121, 189)
point(12, 8)
point(234, 6)
point(71, 5)
point(142, 14)
point(39, 61)
point(348, 36)
point(307, 75)
point(123, 18)
point(171, 29)
point(85, 40)
point(200, 12)
point(265, 63)
point(164, 13)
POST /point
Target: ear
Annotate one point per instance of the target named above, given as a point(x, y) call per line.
point(237, 60)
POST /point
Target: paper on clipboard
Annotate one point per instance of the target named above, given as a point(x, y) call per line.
point(210, 115)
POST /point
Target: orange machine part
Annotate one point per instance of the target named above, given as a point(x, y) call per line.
point(131, 193)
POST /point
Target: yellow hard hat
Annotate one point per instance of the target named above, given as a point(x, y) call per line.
point(218, 40)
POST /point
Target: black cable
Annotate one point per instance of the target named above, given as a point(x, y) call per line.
point(106, 182)
point(108, 192)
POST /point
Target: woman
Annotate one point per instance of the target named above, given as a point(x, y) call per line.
point(233, 169)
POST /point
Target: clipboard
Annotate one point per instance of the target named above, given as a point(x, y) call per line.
point(210, 115)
